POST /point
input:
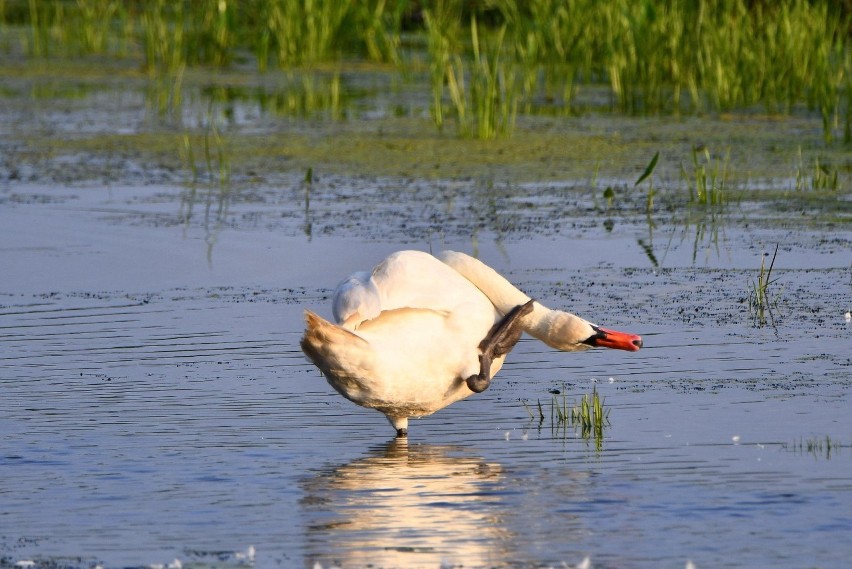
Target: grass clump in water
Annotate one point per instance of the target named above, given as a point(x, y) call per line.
point(818, 447)
point(820, 179)
point(588, 416)
point(482, 87)
point(761, 300)
point(708, 181)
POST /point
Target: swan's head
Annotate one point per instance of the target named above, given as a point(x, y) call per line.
point(569, 333)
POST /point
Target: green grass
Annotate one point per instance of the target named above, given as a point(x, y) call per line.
point(707, 182)
point(818, 178)
point(588, 416)
point(647, 175)
point(762, 300)
point(659, 58)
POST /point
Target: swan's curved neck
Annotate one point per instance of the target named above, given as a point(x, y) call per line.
point(558, 329)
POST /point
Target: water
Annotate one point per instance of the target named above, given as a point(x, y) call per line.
point(157, 407)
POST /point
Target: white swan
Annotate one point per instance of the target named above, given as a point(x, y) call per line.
point(417, 334)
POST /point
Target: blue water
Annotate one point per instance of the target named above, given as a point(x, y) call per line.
point(156, 408)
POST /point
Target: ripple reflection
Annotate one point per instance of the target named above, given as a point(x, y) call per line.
point(408, 503)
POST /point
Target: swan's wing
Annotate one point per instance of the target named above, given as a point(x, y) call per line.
point(414, 279)
point(355, 300)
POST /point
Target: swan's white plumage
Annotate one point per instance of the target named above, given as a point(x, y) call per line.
point(406, 338)
point(408, 333)
point(406, 279)
point(561, 330)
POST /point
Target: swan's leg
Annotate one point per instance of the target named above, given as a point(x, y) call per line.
point(400, 424)
point(500, 340)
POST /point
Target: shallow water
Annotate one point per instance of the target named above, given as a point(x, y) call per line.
point(156, 405)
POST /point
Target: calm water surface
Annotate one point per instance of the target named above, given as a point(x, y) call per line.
point(155, 406)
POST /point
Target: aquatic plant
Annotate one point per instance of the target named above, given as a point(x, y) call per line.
point(588, 416)
point(761, 300)
point(655, 57)
point(817, 446)
point(443, 31)
point(709, 177)
point(820, 178)
point(482, 88)
point(646, 175)
point(162, 40)
point(378, 24)
point(301, 32)
point(494, 90)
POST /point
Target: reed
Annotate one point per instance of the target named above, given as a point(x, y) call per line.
point(646, 175)
point(708, 181)
point(443, 31)
point(378, 25)
point(761, 299)
point(494, 89)
point(303, 32)
point(819, 178)
point(676, 56)
point(163, 37)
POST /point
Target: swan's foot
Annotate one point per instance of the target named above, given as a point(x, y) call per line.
point(500, 340)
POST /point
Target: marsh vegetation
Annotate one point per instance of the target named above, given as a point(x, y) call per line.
point(488, 61)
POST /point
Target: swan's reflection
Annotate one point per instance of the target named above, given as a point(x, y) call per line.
point(407, 505)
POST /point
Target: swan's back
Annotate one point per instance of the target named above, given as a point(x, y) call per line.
point(406, 279)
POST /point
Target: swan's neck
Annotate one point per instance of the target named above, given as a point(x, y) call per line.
point(560, 330)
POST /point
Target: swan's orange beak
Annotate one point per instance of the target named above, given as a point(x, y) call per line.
point(605, 338)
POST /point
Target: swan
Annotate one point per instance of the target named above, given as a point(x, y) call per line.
point(419, 332)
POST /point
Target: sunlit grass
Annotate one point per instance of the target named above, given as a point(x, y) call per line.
point(587, 416)
point(669, 57)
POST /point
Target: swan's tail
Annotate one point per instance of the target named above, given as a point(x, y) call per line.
point(323, 342)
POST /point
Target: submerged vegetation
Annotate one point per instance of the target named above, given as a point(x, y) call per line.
point(490, 59)
point(817, 447)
